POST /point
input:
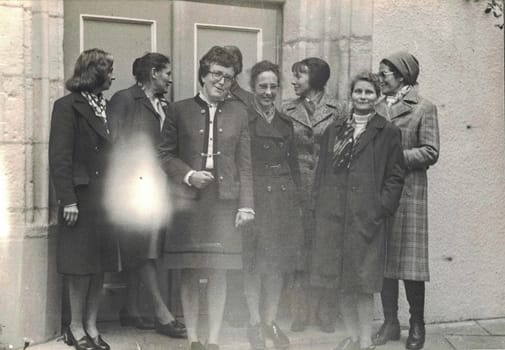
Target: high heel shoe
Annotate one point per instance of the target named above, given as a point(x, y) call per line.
point(127, 320)
point(174, 329)
point(84, 343)
point(99, 343)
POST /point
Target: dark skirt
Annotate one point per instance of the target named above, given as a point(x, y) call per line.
point(88, 247)
point(204, 235)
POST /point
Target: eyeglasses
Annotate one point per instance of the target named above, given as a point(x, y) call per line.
point(217, 76)
point(384, 75)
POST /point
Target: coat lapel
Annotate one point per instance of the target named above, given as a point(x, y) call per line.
point(368, 135)
point(81, 105)
point(263, 129)
point(400, 108)
point(324, 110)
point(300, 115)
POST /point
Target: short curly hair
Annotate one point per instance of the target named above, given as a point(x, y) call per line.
point(263, 66)
point(90, 70)
point(370, 77)
point(216, 55)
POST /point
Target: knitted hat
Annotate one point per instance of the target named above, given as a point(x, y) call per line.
point(407, 65)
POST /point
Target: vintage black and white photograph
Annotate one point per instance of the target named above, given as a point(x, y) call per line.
point(252, 174)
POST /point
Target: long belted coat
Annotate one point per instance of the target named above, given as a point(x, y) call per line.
point(308, 133)
point(407, 248)
point(275, 242)
point(79, 151)
point(353, 205)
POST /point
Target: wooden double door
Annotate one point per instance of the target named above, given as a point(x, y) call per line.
point(183, 30)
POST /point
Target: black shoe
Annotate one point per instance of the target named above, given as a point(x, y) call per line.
point(390, 330)
point(348, 344)
point(281, 341)
point(99, 343)
point(417, 336)
point(84, 343)
point(256, 337)
point(174, 329)
point(127, 320)
point(298, 325)
point(196, 345)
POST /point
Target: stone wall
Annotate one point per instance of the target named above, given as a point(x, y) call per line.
point(462, 70)
point(31, 74)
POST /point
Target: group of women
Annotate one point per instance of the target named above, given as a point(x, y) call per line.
point(313, 191)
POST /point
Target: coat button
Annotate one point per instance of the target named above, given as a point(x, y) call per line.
point(266, 146)
point(219, 110)
point(283, 188)
point(97, 149)
point(221, 178)
point(201, 131)
point(202, 111)
point(97, 173)
point(281, 144)
point(220, 130)
point(269, 188)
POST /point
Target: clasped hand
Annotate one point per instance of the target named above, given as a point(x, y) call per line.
point(200, 179)
point(70, 214)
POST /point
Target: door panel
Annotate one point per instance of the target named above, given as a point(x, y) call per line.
point(126, 29)
point(103, 32)
point(199, 26)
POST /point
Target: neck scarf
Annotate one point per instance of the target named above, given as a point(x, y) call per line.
point(391, 100)
point(267, 115)
point(343, 145)
point(98, 104)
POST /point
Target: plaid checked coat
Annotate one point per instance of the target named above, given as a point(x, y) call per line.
point(407, 246)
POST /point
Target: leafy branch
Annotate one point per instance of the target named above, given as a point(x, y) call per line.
point(495, 7)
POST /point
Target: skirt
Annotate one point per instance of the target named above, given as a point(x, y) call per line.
point(204, 235)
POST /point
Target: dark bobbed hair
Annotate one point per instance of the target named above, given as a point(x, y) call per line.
point(263, 66)
point(392, 68)
point(370, 77)
point(317, 69)
point(90, 70)
point(216, 55)
point(143, 66)
point(237, 55)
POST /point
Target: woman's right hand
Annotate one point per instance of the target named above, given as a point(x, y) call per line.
point(70, 214)
point(200, 179)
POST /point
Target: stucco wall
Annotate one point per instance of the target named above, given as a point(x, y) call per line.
point(31, 60)
point(462, 72)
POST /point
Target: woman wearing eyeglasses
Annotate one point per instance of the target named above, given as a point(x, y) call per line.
point(205, 150)
point(407, 246)
point(274, 245)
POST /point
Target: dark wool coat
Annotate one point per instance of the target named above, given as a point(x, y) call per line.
point(354, 204)
point(79, 149)
point(132, 115)
point(407, 248)
point(276, 241)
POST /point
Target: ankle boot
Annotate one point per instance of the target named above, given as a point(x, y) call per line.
point(417, 335)
point(390, 330)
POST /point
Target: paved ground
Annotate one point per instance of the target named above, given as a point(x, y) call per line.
point(478, 334)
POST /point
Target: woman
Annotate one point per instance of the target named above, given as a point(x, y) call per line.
point(311, 113)
point(274, 245)
point(79, 148)
point(137, 115)
point(358, 185)
point(407, 247)
point(205, 149)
